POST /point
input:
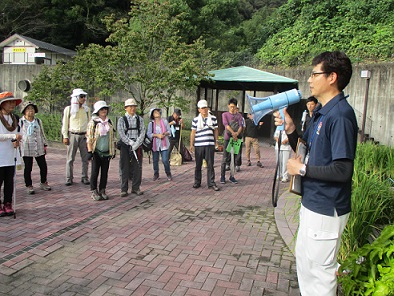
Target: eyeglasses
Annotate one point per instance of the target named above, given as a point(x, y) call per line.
point(314, 74)
point(82, 96)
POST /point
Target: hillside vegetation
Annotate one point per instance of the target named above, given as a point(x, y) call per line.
point(249, 32)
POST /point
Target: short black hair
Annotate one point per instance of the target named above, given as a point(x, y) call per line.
point(233, 101)
point(178, 111)
point(337, 62)
point(311, 99)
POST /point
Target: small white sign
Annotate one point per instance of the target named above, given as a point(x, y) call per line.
point(37, 55)
point(365, 74)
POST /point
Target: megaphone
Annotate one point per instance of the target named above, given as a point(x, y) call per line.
point(259, 107)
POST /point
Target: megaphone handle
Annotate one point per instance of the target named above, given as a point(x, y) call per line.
point(282, 114)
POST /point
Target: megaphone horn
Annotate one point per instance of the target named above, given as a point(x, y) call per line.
point(259, 107)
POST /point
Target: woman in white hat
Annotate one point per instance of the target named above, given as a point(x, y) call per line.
point(9, 142)
point(33, 145)
point(101, 148)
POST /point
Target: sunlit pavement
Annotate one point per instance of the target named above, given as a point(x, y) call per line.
point(173, 240)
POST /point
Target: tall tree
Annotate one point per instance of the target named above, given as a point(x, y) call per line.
point(149, 60)
point(146, 58)
point(23, 17)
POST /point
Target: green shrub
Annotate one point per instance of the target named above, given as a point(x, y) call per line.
point(52, 124)
point(370, 269)
point(372, 197)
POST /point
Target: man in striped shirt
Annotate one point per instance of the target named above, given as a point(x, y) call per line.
point(203, 140)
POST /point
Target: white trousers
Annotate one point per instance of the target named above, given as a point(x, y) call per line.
point(284, 156)
point(317, 246)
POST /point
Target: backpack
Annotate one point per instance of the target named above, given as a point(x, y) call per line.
point(147, 143)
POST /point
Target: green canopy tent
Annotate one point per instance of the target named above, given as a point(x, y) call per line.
point(243, 79)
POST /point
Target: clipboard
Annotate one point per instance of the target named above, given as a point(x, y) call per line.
point(295, 180)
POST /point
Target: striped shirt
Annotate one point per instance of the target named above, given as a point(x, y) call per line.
point(204, 136)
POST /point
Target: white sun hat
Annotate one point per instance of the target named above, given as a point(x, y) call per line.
point(99, 105)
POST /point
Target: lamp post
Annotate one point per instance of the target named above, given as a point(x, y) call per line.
point(367, 75)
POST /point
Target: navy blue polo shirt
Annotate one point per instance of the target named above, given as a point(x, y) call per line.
point(331, 135)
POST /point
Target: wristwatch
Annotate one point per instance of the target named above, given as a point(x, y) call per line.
point(303, 171)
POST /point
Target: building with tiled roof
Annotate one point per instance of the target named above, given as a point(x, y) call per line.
point(19, 49)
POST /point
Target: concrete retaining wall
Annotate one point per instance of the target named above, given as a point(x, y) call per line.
point(380, 106)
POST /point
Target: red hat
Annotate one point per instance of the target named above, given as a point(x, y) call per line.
point(9, 96)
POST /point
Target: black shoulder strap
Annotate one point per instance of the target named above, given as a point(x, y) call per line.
point(17, 120)
point(138, 125)
point(126, 122)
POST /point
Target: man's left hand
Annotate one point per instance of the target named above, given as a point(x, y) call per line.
point(294, 165)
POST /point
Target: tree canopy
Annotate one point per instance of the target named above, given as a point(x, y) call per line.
point(154, 48)
point(145, 58)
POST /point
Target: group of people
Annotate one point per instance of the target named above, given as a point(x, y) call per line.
point(204, 140)
point(95, 139)
point(20, 138)
point(330, 135)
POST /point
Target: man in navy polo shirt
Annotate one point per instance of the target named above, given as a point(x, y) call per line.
point(326, 174)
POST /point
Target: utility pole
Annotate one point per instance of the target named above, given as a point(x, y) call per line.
point(367, 75)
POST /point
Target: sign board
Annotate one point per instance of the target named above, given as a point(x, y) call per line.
point(365, 74)
point(19, 49)
point(37, 55)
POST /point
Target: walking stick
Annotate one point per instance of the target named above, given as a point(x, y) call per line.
point(14, 189)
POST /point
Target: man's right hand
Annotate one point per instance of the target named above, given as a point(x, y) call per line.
point(66, 141)
point(289, 124)
point(191, 149)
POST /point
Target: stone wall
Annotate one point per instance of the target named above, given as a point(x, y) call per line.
point(380, 100)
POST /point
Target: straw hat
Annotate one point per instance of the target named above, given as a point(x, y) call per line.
point(130, 102)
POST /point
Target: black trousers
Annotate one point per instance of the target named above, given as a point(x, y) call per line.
point(99, 165)
point(207, 153)
point(42, 164)
point(130, 168)
point(226, 159)
point(7, 177)
point(237, 157)
point(175, 143)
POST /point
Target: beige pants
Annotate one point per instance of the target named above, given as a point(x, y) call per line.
point(317, 246)
point(249, 142)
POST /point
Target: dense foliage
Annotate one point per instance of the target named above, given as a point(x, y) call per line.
point(268, 32)
point(146, 60)
point(300, 29)
point(372, 196)
point(370, 269)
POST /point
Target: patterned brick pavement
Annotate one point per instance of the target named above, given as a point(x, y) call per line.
point(173, 240)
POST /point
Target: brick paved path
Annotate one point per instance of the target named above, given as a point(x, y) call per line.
point(173, 240)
